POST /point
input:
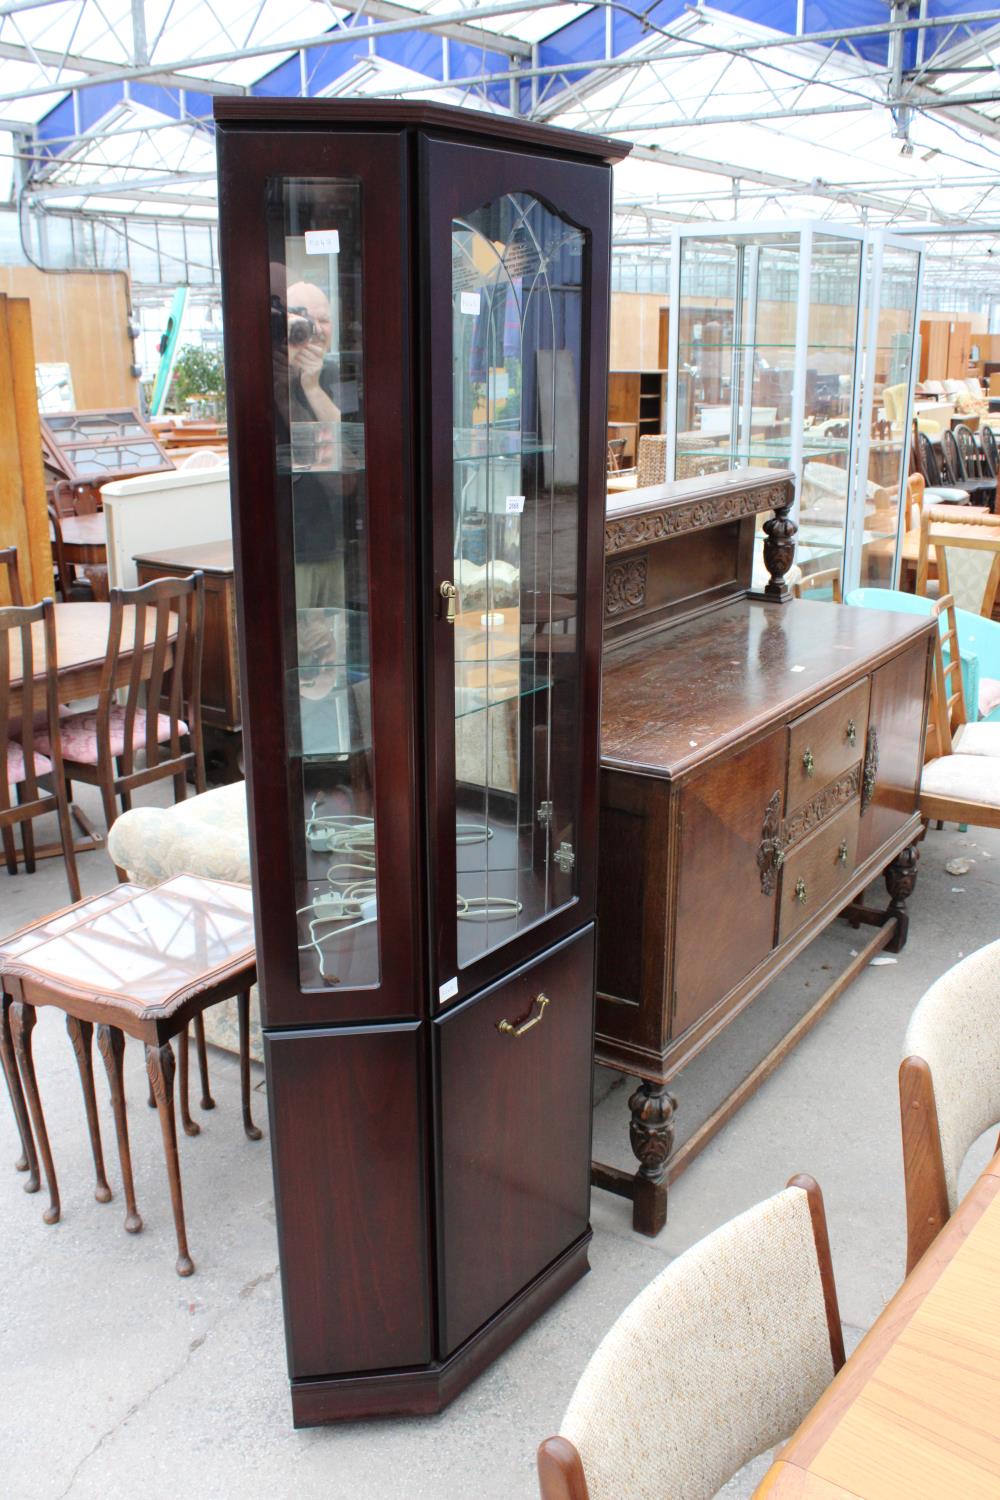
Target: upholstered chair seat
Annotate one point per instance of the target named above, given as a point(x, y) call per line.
point(80, 738)
point(15, 763)
point(977, 739)
point(968, 778)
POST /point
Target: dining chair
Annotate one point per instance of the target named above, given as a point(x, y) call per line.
point(8, 565)
point(966, 547)
point(37, 752)
point(960, 779)
point(825, 578)
point(974, 477)
point(716, 1361)
point(70, 586)
point(160, 627)
point(949, 1089)
point(988, 441)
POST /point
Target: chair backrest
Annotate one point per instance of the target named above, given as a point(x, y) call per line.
point(915, 486)
point(718, 1359)
point(948, 708)
point(826, 578)
point(968, 450)
point(142, 622)
point(951, 460)
point(927, 458)
point(953, 1033)
point(34, 651)
point(8, 566)
point(652, 460)
point(988, 440)
point(966, 543)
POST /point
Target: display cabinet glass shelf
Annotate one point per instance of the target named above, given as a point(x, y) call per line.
point(793, 348)
point(417, 407)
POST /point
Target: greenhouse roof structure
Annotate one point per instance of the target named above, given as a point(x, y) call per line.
point(883, 111)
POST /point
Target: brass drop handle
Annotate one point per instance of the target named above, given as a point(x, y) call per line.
point(449, 593)
point(852, 732)
point(842, 853)
point(800, 889)
point(809, 762)
point(508, 1028)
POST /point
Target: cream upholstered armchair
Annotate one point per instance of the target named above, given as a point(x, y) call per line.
point(715, 1362)
point(949, 1089)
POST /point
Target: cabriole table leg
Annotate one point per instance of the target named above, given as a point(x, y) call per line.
point(207, 1102)
point(22, 1020)
point(111, 1045)
point(28, 1160)
point(191, 1127)
point(80, 1034)
point(160, 1065)
point(243, 1003)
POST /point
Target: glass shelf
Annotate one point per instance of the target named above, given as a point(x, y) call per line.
point(479, 445)
point(772, 451)
point(323, 448)
point(484, 685)
point(759, 345)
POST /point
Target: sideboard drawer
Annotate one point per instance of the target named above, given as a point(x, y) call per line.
point(816, 868)
point(825, 743)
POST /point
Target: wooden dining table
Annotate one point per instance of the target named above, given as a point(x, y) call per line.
point(85, 544)
point(81, 645)
point(915, 1412)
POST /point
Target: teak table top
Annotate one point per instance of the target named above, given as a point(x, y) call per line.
point(81, 644)
point(915, 1412)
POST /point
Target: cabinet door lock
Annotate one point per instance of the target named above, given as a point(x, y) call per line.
point(809, 762)
point(842, 853)
point(800, 889)
point(852, 732)
point(449, 593)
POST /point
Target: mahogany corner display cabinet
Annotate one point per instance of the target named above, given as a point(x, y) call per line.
point(416, 303)
point(760, 766)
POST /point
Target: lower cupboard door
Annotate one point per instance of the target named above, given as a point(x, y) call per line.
point(515, 1078)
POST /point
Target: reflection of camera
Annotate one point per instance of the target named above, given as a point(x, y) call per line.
point(301, 327)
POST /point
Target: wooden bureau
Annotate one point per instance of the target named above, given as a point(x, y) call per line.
point(760, 765)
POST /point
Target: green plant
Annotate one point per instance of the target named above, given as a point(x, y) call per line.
point(197, 372)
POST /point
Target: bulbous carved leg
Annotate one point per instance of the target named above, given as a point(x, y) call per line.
point(28, 1160)
point(250, 1129)
point(160, 1066)
point(111, 1045)
point(900, 879)
point(651, 1131)
point(22, 1022)
point(80, 1034)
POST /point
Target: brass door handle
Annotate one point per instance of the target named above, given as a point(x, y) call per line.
point(842, 853)
point(508, 1028)
point(809, 762)
point(449, 593)
point(800, 889)
point(852, 732)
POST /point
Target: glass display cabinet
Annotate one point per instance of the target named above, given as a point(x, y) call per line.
point(793, 348)
point(416, 304)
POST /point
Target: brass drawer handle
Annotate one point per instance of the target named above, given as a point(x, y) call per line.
point(800, 889)
point(842, 853)
point(852, 732)
point(507, 1028)
point(449, 594)
point(809, 762)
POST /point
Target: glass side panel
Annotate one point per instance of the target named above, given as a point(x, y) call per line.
point(828, 438)
point(314, 235)
point(889, 449)
point(517, 277)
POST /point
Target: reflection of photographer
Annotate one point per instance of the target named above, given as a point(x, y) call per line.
point(310, 329)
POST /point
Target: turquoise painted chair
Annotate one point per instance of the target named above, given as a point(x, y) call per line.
point(968, 643)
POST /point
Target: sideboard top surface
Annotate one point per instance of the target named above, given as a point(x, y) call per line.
point(697, 487)
point(672, 699)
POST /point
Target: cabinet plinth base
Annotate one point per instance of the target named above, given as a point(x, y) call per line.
point(423, 1391)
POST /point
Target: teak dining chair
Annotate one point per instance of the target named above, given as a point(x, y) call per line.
point(37, 752)
point(718, 1359)
point(966, 547)
point(949, 1089)
point(152, 717)
point(960, 781)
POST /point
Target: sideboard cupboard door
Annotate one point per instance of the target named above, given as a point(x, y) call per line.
point(314, 230)
point(724, 923)
point(517, 253)
point(350, 1183)
point(894, 746)
point(515, 1070)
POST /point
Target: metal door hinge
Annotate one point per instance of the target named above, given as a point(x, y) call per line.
point(565, 858)
point(544, 814)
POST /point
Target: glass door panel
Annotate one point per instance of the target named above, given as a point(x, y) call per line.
point(315, 250)
point(707, 345)
point(889, 446)
point(517, 307)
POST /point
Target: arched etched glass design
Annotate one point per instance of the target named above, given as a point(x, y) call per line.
point(517, 308)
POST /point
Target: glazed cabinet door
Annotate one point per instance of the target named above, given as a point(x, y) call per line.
point(515, 1071)
point(516, 254)
point(315, 252)
point(894, 746)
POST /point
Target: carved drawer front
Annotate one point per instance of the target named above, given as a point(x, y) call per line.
point(825, 743)
point(815, 869)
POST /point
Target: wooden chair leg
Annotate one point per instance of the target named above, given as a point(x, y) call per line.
point(22, 1021)
point(207, 1102)
point(27, 842)
point(249, 1128)
point(160, 1064)
point(28, 1160)
point(111, 1045)
point(9, 849)
point(191, 1127)
point(68, 845)
point(80, 1034)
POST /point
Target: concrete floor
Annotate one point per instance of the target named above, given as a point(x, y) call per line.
point(118, 1378)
